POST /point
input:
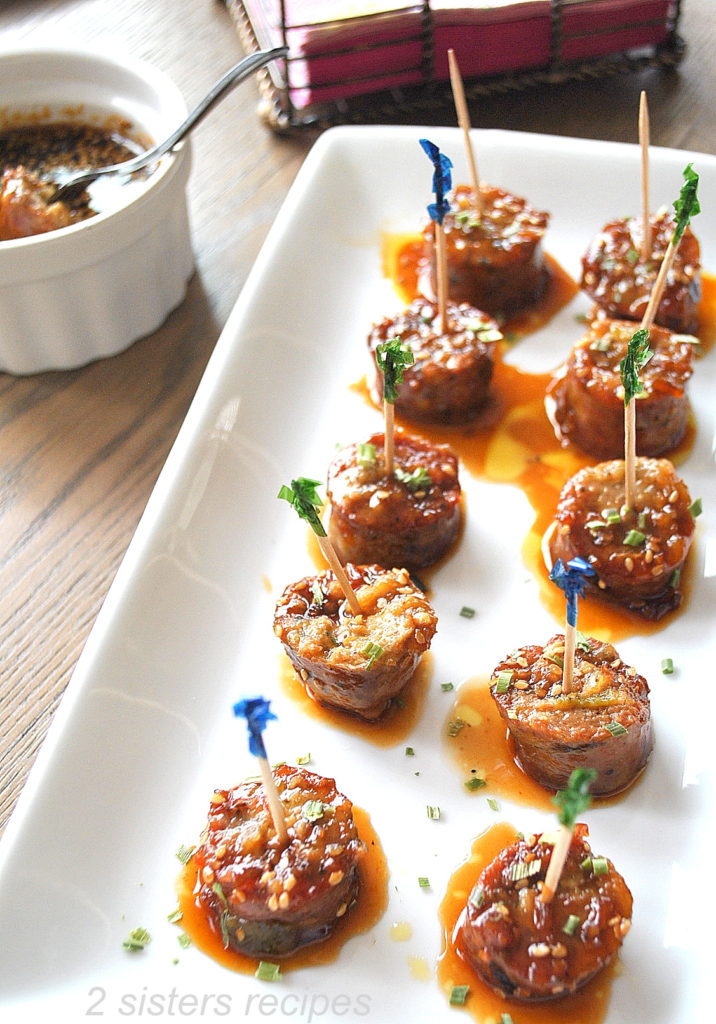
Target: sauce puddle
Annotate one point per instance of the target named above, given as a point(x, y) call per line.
point(369, 908)
point(589, 1006)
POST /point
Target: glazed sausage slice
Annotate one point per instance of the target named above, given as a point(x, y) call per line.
point(409, 519)
point(588, 398)
point(528, 950)
point(495, 261)
point(450, 378)
point(620, 281)
point(355, 663)
point(266, 900)
point(603, 723)
point(638, 554)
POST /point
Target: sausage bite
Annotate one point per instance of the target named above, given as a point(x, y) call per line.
point(410, 518)
point(450, 378)
point(528, 950)
point(637, 554)
point(495, 259)
point(266, 899)
point(620, 281)
point(588, 397)
point(603, 723)
point(357, 663)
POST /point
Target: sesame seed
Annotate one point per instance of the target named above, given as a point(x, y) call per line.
point(284, 900)
point(341, 910)
point(538, 950)
point(335, 878)
point(629, 564)
point(272, 902)
point(207, 874)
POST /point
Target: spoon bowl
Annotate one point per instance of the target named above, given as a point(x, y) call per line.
point(71, 185)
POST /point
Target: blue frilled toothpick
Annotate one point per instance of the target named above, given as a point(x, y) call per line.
point(257, 713)
point(442, 183)
point(572, 581)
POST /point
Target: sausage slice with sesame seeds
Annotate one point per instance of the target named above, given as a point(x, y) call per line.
point(531, 951)
point(603, 723)
point(268, 899)
point(495, 259)
point(450, 378)
point(408, 519)
point(620, 282)
point(357, 663)
point(588, 399)
point(638, 554)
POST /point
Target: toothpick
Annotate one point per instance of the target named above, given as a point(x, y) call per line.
point(571, 580)
point(463, 119)
point(256, 712)
point(572, 801)
point(644, 143)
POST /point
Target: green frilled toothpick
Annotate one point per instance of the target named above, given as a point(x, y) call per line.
point(303, 497)
point(391, 358)
point(639, 353)
point(571, 802)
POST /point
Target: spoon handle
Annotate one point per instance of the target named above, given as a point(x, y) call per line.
point(233, 76)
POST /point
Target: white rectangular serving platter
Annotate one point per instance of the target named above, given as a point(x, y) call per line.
point(145, 730)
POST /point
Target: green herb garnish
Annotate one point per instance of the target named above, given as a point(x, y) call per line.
point(696, 508)
point(176, 915)
point(185, 853)
point(638, 355)
point(475, 783)
point(459, 994)
point(570, 925)
point(302, 497)
point(687, 205)
point(492, 804)
point(575, 798)
point(317, 594)
point(502, 683)
point(433, 812)
point(137, 940)
point(372, 652)
point(667, 666)
point(313, 810)
point(392, 357)
point(366, 454)
point(417, 480)
point(409, 752)
point(455, 726)
point(184, 940)
point(303, 759)
point(423, 882)
point(267, 971)
point(447, 687)
point(634, 538)
point(615, 728)
point(612, 516)
point(467, 613)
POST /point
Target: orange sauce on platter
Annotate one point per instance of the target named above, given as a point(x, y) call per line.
point(364, 915)
point(588, 1006)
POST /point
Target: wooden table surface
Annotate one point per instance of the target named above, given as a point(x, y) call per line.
point(80, 451)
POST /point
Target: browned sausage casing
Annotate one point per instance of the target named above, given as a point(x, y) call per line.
point(450, 378)
point(620, 281)
point(334, 652)
point(376, 518)
point(518, 945)
point(588, 396)
point(265, 899)
point(495, 261)
point(642, 576)
point(603, 723)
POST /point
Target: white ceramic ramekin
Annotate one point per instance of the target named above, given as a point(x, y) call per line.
point(87, 291)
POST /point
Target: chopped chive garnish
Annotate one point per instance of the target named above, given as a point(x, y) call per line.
point(185, 853)
point(556, 659)
point(506, 1018)
point(582, 641)
point(433, 812)
point(696, 507)
point(641, 520)
point(372, 652)
point(176, 915)
point(675, 578)
point(586, 864)
point(492, 804)
point(502, 683)
point(366, 454)
point(409, 752)
point(267, 971)
point(313, 810)
point(632, 256)
point(600, 866)
point(184, 940)
point(475, 783)
point(477, 898)
point(467, 613)
point(667, 666)
point(423, 882)
point(601, 344)
point(459, 994)
point(317, 593)
point(417, 480)
point(612, 515)
point(615, 728)
point(570, 925)
point(455, 726)
point(137, 940)
point(303, 759)
point(634, 538)
point(596, 524)
point(447, 687)
point(524, 869)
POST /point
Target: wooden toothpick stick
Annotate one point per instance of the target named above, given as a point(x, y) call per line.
point(463, 119)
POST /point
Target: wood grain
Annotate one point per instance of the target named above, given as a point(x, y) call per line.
point(81, 451)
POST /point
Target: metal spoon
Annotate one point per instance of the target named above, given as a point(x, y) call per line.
point(71, 185)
